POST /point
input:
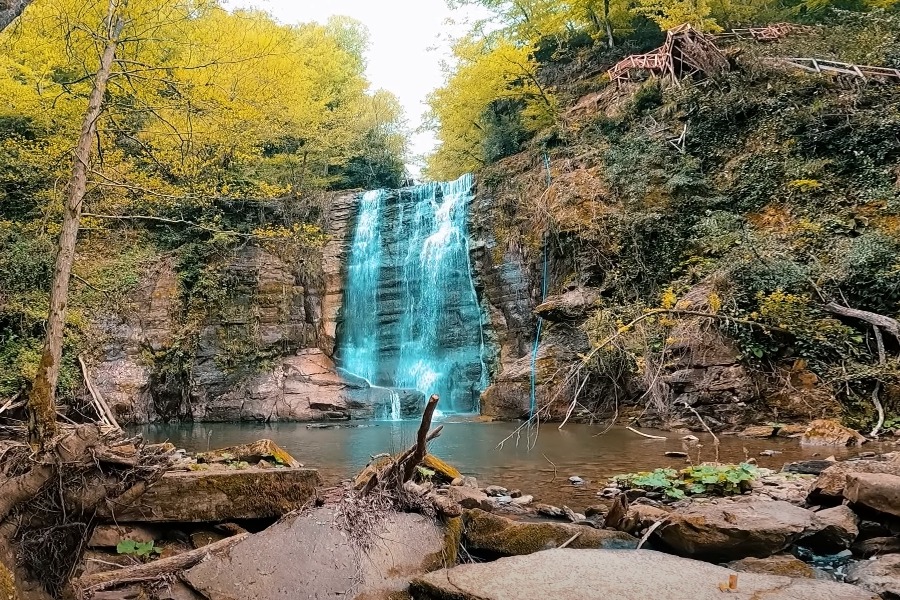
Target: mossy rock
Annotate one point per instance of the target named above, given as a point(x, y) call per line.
point(266, 450)
point(441, 468)
point(496, 536)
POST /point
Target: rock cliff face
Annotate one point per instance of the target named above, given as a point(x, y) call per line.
point(265, 355)
point(703, 370)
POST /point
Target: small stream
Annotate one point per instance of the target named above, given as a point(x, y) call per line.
point(472, 447)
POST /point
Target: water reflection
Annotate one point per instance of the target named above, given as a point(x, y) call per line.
point(542, 470)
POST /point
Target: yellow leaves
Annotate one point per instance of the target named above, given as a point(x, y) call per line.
point(714, 302)
point(487, 71)
point(205, 100)
point(669, 299)
point(672, 13)
point(804, 185)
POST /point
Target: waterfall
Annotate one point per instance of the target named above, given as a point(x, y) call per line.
point(412, 318)
point(395, 406)
point(360, 348)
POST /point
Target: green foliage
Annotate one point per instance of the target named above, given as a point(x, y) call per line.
point(714, 480)
point(144, 550)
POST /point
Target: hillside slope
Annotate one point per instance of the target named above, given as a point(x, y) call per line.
point(736, 207)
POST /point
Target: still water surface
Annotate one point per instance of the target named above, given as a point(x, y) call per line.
point(540, 467)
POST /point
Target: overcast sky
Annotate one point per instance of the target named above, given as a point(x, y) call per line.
point(408, 40)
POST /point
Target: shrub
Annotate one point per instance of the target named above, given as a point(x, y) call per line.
point(716, 480)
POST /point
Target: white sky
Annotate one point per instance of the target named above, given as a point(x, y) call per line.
point(409, 38)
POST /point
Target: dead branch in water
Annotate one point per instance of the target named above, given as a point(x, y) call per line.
point(646, 435)
point(421, 439)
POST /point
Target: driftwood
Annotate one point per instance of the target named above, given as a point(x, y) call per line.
point(646, 435)
point(882, 358)
point(421, 449)
point(892, 326)
point(102, 408)
point(152, 570)
point(399, 471)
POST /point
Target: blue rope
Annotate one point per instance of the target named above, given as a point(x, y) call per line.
point(540, 322)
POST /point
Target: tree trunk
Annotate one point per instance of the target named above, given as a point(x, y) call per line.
point(42, 398)
point(609, 33)
point(10, 11)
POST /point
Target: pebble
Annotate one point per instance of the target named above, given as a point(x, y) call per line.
point(523, 500)
point(691, 438)
point(867, 455)
point(769, 453)
point(503, 499)
point(576, 480)
point(495, 490)
point(516, 493)
point(673, 454)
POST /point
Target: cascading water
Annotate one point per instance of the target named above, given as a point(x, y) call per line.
point(411, 315)
point(360, 348)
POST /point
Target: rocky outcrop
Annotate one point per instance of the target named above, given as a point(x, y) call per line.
point(839, 533)
point(264, 354)
point(620, 574)
point(784, 565)
point(216, 496)
point(829, 486)
point(731, 530)
point(826, 432)
point(876, 491)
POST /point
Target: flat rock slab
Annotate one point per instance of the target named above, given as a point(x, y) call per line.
point(307, 556)
point(212, 496)
point(619, 574)
point(731, 530)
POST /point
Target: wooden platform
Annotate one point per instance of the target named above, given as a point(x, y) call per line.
point(220, 495)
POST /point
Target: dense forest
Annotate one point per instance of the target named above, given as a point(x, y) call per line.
point(216, 129)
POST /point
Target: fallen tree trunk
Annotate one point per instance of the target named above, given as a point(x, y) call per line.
point(152, 570)
point(892, 326)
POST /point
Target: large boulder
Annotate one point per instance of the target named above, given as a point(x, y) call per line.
point(572, 305)
point(216, 496)
point(839, 533)
point(878, 491)
point(737, 529)
point(308, 556)
point(826, 432)
point(881, 576)
point(829, 486)
point(619, 574)
point(492, 535)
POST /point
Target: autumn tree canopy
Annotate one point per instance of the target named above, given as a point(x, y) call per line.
point(493, 99)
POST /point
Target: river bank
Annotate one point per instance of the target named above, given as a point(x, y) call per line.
point(540, 464)
point(411, 527)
